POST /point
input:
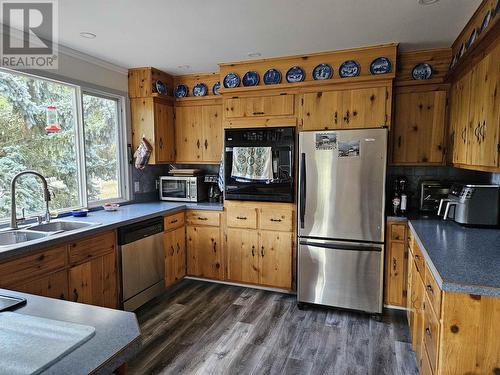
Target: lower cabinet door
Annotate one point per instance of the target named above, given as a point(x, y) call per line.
point(94, 282)
point(204, 258)
point(396, 279)
point(243, 255)
point(53, 286)
point(275, 263)
point(174, 244)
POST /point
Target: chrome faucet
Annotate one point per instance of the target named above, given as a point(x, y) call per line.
point(46, 196)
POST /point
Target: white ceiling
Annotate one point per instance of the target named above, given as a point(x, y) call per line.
point(202, 33)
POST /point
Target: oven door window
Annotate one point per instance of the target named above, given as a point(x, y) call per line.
point(174, 189)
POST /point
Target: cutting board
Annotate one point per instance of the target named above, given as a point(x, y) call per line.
point(29, 344)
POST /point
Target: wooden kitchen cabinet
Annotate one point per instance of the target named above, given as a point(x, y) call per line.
point(459, 119)
point(153, 118)
point(396, 264)
point(204, 247)
point(260, 243)
point(346, 109)
point(54, 285)
point(174, 245)
point(95, 282)
point(418, 134)
point(273, 105)
point(199, 135)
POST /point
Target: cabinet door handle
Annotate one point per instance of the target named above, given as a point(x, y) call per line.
point(198, 143)
point(215, 246)
point(75, 295)
point(178, 247)
point(258, 113)
point(206, 144)
point(336, 117)
point(253, 250)
point(173, 251)
point(161, 143)
point(463, 133)
point(346, 118)
point(482, 130)
point(262, 251)
point(276, 220)
point(394, 264)
point(241, 217)
point(202, 218)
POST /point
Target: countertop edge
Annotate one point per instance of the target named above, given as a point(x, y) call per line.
point(451, 286)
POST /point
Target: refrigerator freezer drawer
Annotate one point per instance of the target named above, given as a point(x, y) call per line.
point(341, 277)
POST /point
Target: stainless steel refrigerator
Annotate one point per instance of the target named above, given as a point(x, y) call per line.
point(341, 201)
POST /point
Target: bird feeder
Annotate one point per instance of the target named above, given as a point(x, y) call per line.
point(52, 124)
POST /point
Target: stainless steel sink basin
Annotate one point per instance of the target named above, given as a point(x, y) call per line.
point(60, 226)
point(12, 237)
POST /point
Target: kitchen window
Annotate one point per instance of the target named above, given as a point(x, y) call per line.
point(72, 135)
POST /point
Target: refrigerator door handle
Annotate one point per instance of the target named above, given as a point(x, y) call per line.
point(343, 246)
point(302, 188)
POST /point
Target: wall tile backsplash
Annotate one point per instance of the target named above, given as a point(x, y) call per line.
point(441, 173)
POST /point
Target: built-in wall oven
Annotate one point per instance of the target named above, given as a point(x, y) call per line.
point(279, 142)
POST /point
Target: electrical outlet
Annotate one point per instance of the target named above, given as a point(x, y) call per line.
point(137, 187)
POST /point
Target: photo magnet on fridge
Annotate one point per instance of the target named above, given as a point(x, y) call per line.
point(326, 141)
point(349, 149)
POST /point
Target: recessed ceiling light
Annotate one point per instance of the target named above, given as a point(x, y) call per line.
point(427, 2)
point(254, 54)
point(87, 35)
point(184, 66)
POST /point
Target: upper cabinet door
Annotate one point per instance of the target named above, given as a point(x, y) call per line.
point(260, 106)
point(485, 109)
point(365, 108)
point(418, 131)
point(188, 134)
point(164, 132)
point(322, 110)
point(459, 118)
point(212, 133)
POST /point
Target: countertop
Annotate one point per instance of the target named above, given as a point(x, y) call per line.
point(462, 259)
point(117, 336)
point(126, 214)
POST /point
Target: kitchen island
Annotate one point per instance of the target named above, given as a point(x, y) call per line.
point(117, 336)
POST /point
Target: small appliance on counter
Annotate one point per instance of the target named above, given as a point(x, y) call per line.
point(214, 193)
point(472, 205)
point(431, 193)
point(183, 188)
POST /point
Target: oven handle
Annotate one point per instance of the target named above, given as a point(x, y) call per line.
point(302, 187)
point(188, 189)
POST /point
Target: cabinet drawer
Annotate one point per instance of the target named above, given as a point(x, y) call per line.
point(173, 221)
point(418, 257)
point(276, 105)
point(30, 266)
point(200, 217)
point(433, 291)
point(241, 217)
point(431, 334)
point(272, 219)
point(91, 247)
point(398, 232)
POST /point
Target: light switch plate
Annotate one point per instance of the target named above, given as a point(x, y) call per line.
point(137, 186)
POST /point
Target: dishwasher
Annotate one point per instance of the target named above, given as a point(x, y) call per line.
point(143, 265)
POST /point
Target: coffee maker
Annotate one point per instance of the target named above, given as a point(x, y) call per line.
point(214, 193)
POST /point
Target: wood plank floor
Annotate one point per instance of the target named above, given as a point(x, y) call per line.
point(207, 328)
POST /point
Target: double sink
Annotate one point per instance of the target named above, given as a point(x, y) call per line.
point(40, 231)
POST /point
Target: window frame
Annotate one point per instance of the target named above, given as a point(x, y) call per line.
point(121, 137)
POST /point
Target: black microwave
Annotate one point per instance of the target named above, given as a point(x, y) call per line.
point(278, 145)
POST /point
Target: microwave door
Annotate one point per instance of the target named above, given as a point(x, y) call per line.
point(174, 189)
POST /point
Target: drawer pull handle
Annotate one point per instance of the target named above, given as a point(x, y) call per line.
point(241, 217)
point(75, 295)
point(253, 250)
point(262, 251)
point(173, 221)
point(276, 220)
point(258, 113)
point(202, 218)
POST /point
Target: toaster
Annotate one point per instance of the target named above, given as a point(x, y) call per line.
point(474, 205)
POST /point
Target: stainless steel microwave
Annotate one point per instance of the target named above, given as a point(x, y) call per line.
point(183, 188)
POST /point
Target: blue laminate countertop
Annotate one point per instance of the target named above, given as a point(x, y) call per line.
point(117, 336)
point(462, 259)
point(126, 214)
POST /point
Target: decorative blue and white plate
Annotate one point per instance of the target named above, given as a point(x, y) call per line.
point(200, 89)
point(381, 65)
point(272, 77)
point(462, 51)
point(322, 72)
point(216, 88)
point(486, 21)
point(349, 68)
point(181, 91)
point(161, 88)
point(497, 9)
point(472, 38)
point(251, 79)
point(422, 71)
point(454, 62)
point(231, 81)
point(295, 74)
